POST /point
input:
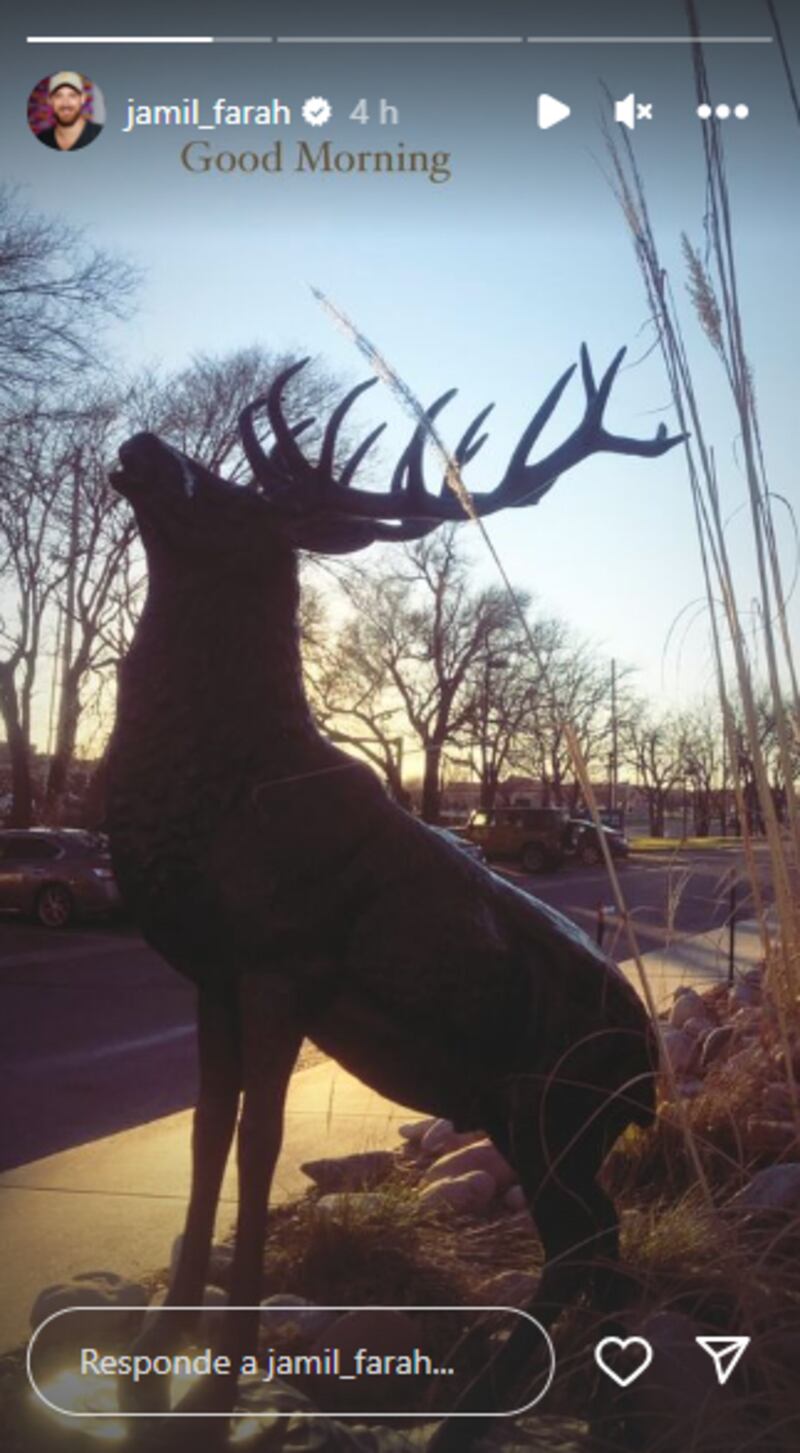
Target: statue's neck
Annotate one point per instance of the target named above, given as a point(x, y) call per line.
point(223, 659)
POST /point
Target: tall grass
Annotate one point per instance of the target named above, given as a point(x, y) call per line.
point(713, 287)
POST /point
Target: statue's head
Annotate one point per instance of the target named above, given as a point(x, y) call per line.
point(188, 516)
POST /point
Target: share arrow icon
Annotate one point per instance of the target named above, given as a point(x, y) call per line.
point(725, 1352)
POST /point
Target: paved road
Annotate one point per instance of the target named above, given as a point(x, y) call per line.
point(96, 1033)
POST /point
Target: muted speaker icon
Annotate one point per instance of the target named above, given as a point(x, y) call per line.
point(629, 111)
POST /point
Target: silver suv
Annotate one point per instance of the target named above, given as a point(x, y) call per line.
point(56, 875)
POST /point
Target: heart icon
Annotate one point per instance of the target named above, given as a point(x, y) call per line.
point(636, 1356)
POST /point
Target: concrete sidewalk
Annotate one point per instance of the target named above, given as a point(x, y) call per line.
point(117, 1203)
point(700, 960)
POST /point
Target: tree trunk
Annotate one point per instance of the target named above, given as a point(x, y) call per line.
point(488, 791)
point(431, 782)
point(68, 716)
point(656, 806)
point(21, 814)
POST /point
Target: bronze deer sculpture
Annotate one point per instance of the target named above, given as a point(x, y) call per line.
point(274, 871)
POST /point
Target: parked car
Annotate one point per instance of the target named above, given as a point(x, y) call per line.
point(472, 850)
point(56, 875)
point(581, 842)
point(531, 836)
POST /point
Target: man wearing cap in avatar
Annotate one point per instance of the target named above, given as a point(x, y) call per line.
point(71, 129)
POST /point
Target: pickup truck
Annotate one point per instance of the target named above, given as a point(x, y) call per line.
point(534, 837)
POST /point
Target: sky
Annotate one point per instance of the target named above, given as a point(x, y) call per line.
point(489, 281)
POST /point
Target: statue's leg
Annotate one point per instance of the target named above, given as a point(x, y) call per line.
point(214, 1122)
point(578, 1226)
point(270, 1039)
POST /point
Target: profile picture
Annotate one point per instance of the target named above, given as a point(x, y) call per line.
point(66, 111)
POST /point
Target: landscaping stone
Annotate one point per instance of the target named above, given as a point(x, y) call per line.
point(438, 1137)
point(482, 1155)
point(680, 1049)
point(699, 1028)
point(774, 1189)
point(747, 990)
point(88, 1289)
point(687, 1005)
point(716, 1044)
point(356, 1172)
point(414, 1130)
point(339, 1205)
point(283, 1312)
point(515, 1199)
point(470, 1192)
point(442, 1138)
point(771, 1136)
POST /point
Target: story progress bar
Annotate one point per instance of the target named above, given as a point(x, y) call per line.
point(398, 39)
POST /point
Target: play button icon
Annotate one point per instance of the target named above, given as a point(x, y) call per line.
point(549, 111)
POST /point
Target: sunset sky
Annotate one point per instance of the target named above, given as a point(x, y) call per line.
point(489, 281)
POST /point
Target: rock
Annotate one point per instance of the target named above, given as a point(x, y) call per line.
point(341, 1205)
point(515, 1199)
point(414, 1130)
point(746, 1019)
point(716, 1044)
point(773, 1136)
point(88, 1289)
point(437, 1137)
point(680, 1049)
point(510, 1289)
point(442, 1138)
point(774, 1189)
point(482, 1155)
point(357, 1172)
point(687, 1005)
point(747, 991)
point(283, 1313)
point(463, 1194)
point(698, 1028)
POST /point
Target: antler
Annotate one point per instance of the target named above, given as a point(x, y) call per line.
point(311, 492)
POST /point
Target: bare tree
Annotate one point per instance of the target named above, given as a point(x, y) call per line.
point(55, 292)
point(355, 701)
point(416, 633)
point(95, 536)
point(503, 684)
point(704, 766)
point(32, 467)
point(655, 746)
point(197, 408)
point(575, 690)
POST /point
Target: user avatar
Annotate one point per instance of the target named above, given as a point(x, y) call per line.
point(66, 111)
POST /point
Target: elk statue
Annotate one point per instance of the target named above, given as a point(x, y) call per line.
point(273, 871)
